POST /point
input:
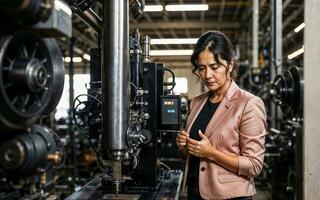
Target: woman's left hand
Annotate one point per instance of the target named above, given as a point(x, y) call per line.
point(202, 148)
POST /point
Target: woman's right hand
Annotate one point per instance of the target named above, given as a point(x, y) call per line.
point(181, 140)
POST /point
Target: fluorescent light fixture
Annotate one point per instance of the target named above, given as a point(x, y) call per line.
point(296, 53)
point(187, 7)
point(66, 59)
point(177, 52)
point(153, 8)
point(300, 27)
point(86, 56)
point(174, 41)
point(74, 59)
point(77, 59)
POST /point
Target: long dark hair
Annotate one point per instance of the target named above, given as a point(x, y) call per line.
point(220, 46)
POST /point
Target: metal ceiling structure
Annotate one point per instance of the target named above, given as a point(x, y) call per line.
point(233, 17)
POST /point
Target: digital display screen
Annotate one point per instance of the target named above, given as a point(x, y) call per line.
point(170, 110)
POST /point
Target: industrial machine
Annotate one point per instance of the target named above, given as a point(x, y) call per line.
point(285, 166)
point(127, 108)
point(124, 115)
point(31, 84)
point(282, 172)
point(139, 167)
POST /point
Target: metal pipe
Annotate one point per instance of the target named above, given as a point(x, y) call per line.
point(146, 49)
point(71, 98)
point(90, 18)
point(255, 32)
point(135, 52)
point(117, 175)
point(115, 77)
point(276, 43)
point(276, 54)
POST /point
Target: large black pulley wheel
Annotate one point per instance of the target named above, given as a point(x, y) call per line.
point(288, 91)
point(31, 79)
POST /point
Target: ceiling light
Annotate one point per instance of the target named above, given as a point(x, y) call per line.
point(180, 52)
point(153, 8)
point(86, 56)
point(296, 53)
point(74, 59)
point(187, 7)
point(66, 59)
point(77, 59)
point(174, 41)
point(300, 27)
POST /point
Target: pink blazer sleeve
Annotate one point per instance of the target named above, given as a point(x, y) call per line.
point(252, 138)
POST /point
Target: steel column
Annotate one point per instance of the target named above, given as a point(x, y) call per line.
point(311, 136)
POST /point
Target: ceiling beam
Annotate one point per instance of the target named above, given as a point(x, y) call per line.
point(181, 32)
point(237, 10)
point(176, 61)
point(180, 64)
point(262, 3)
point(221, 10)
point(202, 13)
point(184, 25)
point(230, 4)
point(156, 30)
point(285, 4)
point(83, 38)
point(293, 16)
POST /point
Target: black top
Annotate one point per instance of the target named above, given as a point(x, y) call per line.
point(200, 123)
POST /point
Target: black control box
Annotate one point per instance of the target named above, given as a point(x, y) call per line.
point(170, 111)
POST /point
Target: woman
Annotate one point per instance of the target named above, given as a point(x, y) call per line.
point(224, 140)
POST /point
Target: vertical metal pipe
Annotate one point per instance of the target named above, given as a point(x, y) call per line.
point(276, 53)
point(255, 32)
point(71, 97)
point(276, 43)
point(115, 76)
point(146, 48)
point(71, 73)
point(135, 51)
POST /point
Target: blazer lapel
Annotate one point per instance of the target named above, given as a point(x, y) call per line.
point(223, 109)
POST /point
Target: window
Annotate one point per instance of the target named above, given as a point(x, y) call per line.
point(79, 86)
point(181, 85)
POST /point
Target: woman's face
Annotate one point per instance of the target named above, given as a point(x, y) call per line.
point(215, 76)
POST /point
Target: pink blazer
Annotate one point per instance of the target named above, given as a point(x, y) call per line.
point(238, 127)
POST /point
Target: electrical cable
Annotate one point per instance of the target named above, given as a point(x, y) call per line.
point(135, 97)
point(173, 82)
point(93, 147)
point(166, 166)
point(74, 112)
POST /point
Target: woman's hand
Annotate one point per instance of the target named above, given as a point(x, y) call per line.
point(202, 148)
point(181, 140)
